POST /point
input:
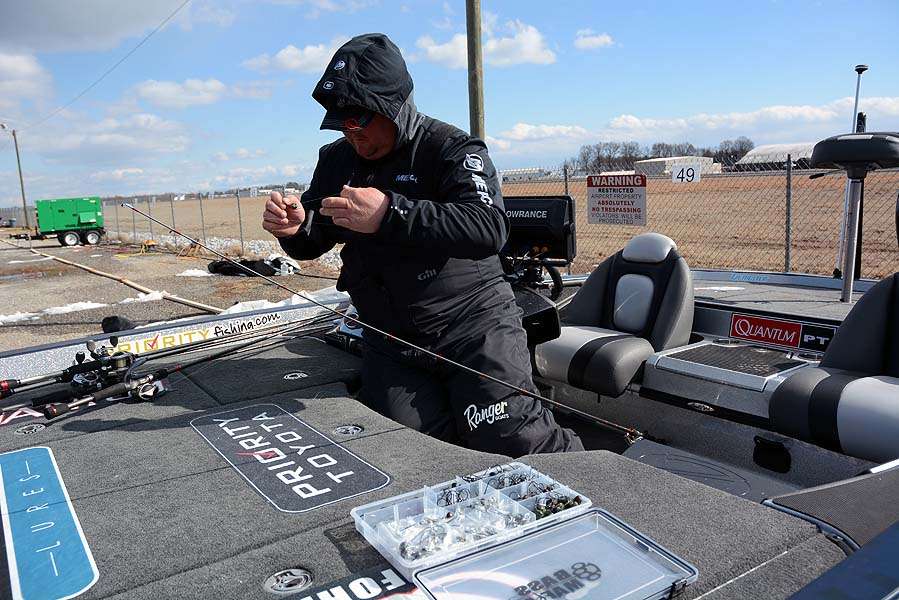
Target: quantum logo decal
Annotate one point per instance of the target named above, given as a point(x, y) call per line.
point(779, 332)
point(46, 550)
point(768, 331)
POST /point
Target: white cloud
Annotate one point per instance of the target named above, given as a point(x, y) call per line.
point(171, 94)
point(587, 39)
point(777, 122)
point(452, 54)
point(254, 90)
point(295, 170)
point(245, 175)
point(21, 78)
point(80, 141)
point(527, 132)
point(51, 25)
point(524, 45)
point(308, 59)
point(221, 157)
point(317, 7)
point(116, 174)
point(209, 12)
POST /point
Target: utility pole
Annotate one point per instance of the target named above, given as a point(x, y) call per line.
point(21, 181)
point(475, 68)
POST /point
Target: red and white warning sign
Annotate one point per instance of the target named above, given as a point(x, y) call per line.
point(616, 199)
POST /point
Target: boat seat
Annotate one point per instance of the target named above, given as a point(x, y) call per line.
point(850, 402)
point(857, 152)
point(636, 302)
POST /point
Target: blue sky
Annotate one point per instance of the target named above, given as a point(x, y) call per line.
point(220, 96)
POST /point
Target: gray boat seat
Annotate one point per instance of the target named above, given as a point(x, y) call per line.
point(865, 151)
point(635, 303)
point(850, 402)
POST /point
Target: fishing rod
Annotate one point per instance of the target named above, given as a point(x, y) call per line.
point(106, 358)
point(146, 386)
point(627, 430)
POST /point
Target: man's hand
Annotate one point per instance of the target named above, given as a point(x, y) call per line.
point(279, 218)
point(357, 209)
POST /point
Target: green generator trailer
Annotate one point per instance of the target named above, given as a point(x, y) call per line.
point(71, 220)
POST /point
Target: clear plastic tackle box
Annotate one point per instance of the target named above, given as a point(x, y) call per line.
point(440, 523)
point(593, 556)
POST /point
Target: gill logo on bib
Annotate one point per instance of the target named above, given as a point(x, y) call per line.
point(488, 414)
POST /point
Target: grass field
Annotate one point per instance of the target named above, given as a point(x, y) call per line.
point(729, 221)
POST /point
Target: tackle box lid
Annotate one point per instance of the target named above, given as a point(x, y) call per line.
point(590, 556)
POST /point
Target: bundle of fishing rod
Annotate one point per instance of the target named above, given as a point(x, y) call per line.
point(104, 373)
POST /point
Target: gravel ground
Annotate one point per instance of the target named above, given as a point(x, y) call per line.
point(29, 286)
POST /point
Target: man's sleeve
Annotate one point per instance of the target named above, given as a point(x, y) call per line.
point(311, 241)
point(466, 220)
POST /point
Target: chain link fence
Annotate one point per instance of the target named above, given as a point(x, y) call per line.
point(762, 217)
point(768, 219)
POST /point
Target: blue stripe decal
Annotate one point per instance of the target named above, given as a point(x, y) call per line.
point(46, 550)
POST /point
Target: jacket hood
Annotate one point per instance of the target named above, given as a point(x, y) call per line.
point(369, 71)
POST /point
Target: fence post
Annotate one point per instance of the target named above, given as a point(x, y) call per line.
point(172, 206)
point(565, 176)
point(788, 221)
point(133, 223)
point(151, 200)
point(202, 217)
point(240, 221)
point(118, 231)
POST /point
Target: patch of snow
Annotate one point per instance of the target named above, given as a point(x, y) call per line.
point(194, 273)
point(720, 288)
point(96, 255)
point(31, 260)
point(73, 307)
point(16, 317)
point(141, 297)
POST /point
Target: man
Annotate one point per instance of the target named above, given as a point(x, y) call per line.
point(417, 204)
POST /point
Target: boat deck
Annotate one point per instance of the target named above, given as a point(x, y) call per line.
point(167, 515)
point(788, 300)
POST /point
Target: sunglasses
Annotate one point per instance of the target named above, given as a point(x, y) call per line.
point(358, 123)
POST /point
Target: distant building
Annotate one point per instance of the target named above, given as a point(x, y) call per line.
point(773, 157)
point(660, 167)
point(529, 174)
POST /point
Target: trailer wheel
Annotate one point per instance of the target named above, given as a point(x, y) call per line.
point(69, 238)
point(91, 238)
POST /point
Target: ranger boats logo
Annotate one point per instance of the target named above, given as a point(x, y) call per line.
point(488, 414)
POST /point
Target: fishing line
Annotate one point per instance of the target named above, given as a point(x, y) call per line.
point(629, 431)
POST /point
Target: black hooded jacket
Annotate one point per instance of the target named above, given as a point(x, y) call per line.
point(434, 257)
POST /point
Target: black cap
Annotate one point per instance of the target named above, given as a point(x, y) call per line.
point(347, 118)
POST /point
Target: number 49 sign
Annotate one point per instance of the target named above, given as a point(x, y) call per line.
point(685, 173)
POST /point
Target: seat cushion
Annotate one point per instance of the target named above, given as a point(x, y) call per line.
point(592, 358)
point(842, 410)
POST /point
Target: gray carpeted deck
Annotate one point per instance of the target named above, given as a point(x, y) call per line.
point(167, 517)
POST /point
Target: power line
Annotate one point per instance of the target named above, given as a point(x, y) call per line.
point(108, 71)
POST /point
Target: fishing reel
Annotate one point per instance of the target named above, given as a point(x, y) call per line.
point(106, 376)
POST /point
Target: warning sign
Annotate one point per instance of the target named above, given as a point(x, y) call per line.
point(616, 199)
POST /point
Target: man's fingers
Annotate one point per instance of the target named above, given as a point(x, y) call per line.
point(273, 207)
point(342, 222)
point(334, 202)
point(268, 217)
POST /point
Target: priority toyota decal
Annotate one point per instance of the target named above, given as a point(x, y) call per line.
point(781, 332)
point(178, 338)
point(293, 466)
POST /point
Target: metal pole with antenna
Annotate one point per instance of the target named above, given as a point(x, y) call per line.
point(841, 251)
point(15, 140)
